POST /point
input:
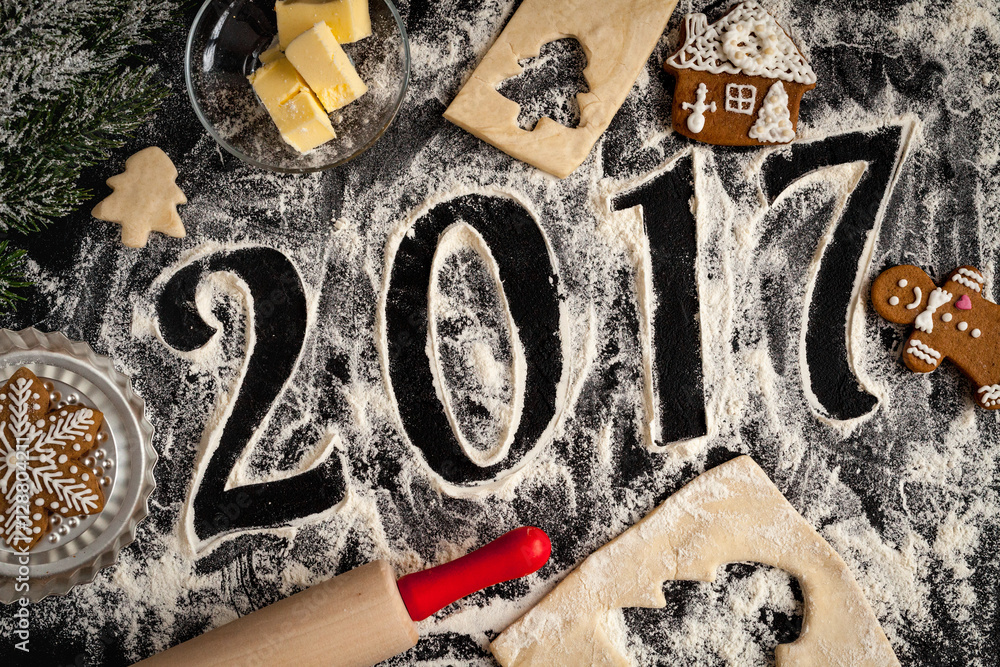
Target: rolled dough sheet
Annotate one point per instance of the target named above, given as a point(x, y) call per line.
point(729, 514)
point(617, 37)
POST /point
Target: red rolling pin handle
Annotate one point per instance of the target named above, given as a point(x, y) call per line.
point(512, 555)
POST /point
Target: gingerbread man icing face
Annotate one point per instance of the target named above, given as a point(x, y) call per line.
point(952, 321)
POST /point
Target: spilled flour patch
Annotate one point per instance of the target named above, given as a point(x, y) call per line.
point(906, 494)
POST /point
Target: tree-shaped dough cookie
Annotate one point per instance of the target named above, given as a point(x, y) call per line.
point(145, 198)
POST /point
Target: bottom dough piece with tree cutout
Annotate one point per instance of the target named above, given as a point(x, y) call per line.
point(729, 514)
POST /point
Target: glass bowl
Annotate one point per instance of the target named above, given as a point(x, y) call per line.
point(224, 45)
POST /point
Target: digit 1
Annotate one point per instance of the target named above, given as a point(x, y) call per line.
point(676, 397)
point(833, 390)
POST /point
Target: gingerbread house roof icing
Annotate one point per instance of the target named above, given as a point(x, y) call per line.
point(745, 41)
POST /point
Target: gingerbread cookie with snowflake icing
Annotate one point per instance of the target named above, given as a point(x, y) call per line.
point(953, 321)
point(41, 473)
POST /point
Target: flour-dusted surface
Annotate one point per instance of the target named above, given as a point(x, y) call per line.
point(906, 495)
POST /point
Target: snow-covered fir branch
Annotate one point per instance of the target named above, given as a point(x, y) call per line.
point(74, 87)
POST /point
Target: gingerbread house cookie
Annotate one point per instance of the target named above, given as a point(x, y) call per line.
point(953, 321)
point(739, 80)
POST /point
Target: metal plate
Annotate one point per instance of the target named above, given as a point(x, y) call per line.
point(74, 550)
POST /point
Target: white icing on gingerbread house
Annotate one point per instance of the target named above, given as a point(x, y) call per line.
point(751, 68)
point(747, 41)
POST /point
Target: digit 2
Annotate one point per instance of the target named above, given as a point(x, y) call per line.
point(826, 367)
point(279, 327)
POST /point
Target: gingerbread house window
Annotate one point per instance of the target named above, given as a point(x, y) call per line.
point(740, 99)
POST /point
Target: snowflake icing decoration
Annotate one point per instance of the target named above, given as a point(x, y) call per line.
point(41, 474)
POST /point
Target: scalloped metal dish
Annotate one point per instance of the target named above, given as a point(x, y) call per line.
point(76, 553)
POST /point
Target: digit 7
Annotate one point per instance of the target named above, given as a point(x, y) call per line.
point(832, 388)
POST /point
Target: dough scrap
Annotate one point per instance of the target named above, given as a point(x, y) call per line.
point(730, 513)
point(617, 37)
point(145, 198)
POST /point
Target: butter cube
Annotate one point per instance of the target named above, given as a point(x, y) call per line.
point(326, 68)
point(270, 55)
point(293, 107)
point(303, 123)
point(276, 82)
point(348, 19)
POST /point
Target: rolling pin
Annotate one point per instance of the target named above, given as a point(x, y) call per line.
point(361, 617)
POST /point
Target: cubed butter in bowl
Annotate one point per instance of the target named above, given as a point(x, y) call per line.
point(326, 68)
point(278, 120)
point(348, 19)
point(296, 112)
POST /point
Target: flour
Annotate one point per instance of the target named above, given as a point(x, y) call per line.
point(906, 494)
point(502, 380)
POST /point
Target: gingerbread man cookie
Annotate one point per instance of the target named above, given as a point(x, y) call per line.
point(953, 321)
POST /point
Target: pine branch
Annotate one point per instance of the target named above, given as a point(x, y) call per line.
point(41, 185)
point(75, 88)
point(11, 276)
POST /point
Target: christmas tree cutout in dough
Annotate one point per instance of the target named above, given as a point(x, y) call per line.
point(774, 122)
point(145, 198)
point(731, 513)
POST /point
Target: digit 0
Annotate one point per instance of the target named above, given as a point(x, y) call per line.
point(530, 286)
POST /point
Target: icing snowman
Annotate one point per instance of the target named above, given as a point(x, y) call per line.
point(953, 321)
point(696, 121)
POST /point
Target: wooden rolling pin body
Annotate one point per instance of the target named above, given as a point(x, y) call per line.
point(354, 620)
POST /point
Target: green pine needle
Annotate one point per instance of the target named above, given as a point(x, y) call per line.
point(11, 276)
